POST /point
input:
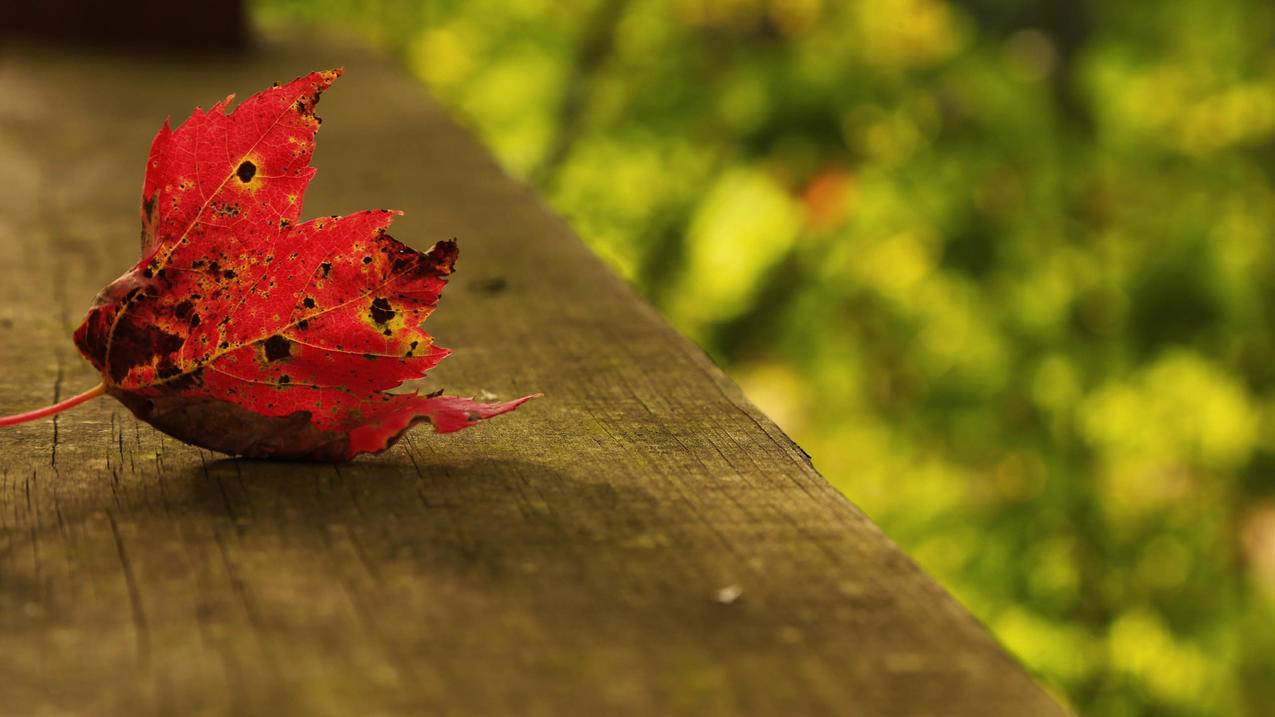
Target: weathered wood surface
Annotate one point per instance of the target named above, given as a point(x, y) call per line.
point(564, 559)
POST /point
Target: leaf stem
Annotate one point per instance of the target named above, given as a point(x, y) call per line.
point(59, 407)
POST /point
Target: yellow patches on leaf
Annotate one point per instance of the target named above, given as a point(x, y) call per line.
point(383, 316)
point(418, 346)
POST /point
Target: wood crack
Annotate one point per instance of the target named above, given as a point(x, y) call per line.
point(141, 630)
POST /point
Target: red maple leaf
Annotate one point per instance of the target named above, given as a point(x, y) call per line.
point(245, 331)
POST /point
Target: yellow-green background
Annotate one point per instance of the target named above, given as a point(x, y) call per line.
point(1004, 268)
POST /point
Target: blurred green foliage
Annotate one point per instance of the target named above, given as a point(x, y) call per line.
point(1004, 268)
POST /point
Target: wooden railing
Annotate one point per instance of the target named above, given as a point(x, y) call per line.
point(641, 540)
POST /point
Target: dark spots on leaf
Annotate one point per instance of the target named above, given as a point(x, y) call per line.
point(229, 274)
point(387, 332)
point(214, 267)
point(308, 302)
point(194, 320)
point(285, 379)
point(326, 268)
point(434, 394)
point(442, 257)
point(370, 357)
point(223, 345)
point(303, 324)
point(137, 343)
point(187, 380)
point(147, 272)
point(247, 170)
point(367, 260)
point(278, 348)
point(381, 311)
point(284, 223)
point(183, 310)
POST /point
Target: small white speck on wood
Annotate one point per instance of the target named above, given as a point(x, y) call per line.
point(728, 594)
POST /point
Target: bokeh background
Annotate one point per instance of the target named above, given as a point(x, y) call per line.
point(1003, 268)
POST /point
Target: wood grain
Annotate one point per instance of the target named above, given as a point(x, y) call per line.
point(639, 541)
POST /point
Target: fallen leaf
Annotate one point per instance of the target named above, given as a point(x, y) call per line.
point(249, 332)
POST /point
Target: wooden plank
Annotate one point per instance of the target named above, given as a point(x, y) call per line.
point(581, 554)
